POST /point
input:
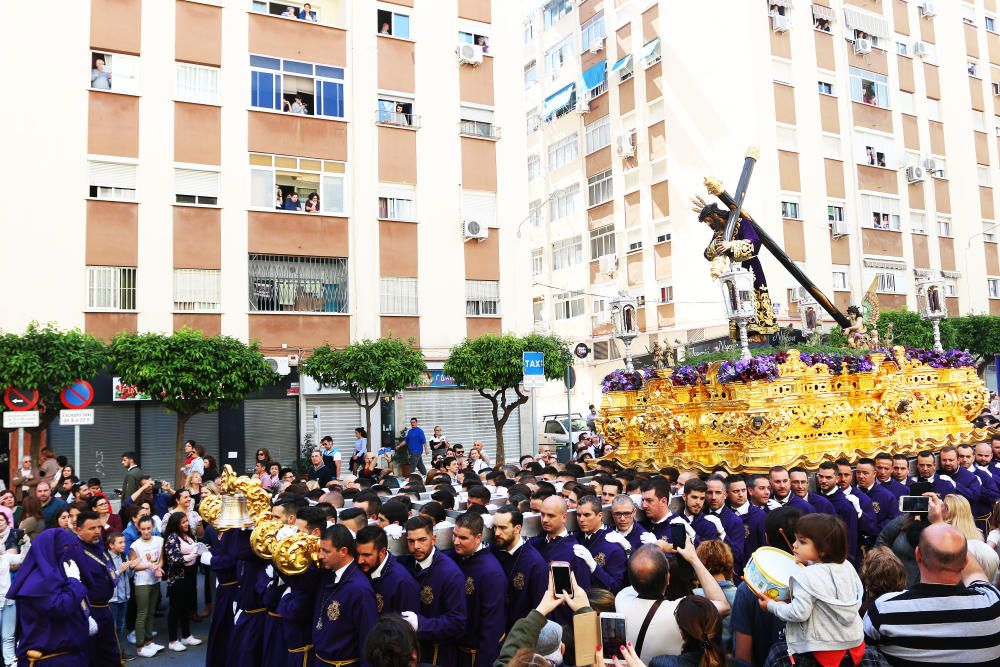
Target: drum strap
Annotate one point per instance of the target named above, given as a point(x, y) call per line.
point(645, 626)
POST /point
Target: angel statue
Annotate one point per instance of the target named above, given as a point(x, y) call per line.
point(743, 248)
point(863, 334)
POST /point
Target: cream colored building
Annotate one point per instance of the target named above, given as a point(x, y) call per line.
point(860, 108)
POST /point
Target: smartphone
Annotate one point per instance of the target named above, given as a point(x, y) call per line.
point(561, 583)
point(914, 504)
point(678, 535)
point(612, 634)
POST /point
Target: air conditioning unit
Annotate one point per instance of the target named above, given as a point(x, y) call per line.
point(914, 174)
point(931, 165)
point(583, 106)
point(920, 49)
point(624, 148)
point(780, 23)
point(473, 229)
point(597, 46)
point(862, 46)
point(839, 228)
point(928, 9)
point(470, 54)
point(279, 365)
point(609, 264)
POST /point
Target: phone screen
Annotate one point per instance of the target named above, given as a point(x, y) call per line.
point(678, 535)
point(612, 635)
point(561, 582)
point(914, 504)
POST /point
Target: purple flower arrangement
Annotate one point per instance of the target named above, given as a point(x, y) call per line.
point(747, 370)
point(685, 376)
point(622, 380)
point(945, 359)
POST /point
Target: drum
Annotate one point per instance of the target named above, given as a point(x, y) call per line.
point(768, 573)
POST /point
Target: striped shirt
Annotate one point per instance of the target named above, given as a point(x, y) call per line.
point(937, 624)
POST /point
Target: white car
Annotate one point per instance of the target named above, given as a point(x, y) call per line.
point(552, 430)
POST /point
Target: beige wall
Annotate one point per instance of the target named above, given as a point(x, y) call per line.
point(650, 23)
point(112, 233)
point(198, 34)
point(788, 169)
point(207, 323)
point(840, 250)
point(479, 164)
point(292, 134)
point(921, 253)
point(478, 326)
point(197, 133)
point(834, 170)
point(937, 137)
point(476, 83)
point(904, 66)
point(882, 242)
point(397, 247)
point(873, 118)
point(795, 240)
point(306, 331)
point(632, 211)
point(878, 179)
point(654, 77)
point(397, 155)
point(971, 41)
point(291, 234)
point(113, 124)
point(911, 136)
point(784, 103)
point(400, 327)
point(106, 325)
point(663, 264)
point(986, 202)
point(297, 40)
point(474, 10)
point(916, 193)
point(657, 140)
point(942, 196)
point(932, 81)
point(482, 258)
point(982, 148)
point(829, 114)
point(947, 253)
point(824, 50)
point(599, 161)
point(900, 17)
point(660, 193)
point(397, 64)
point(114, 24)
point(197, 237)
point(626, 96)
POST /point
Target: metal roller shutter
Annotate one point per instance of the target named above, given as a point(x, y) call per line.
point(101, 445)
point(271, 423)
point(464, 416)
point(338, 417)
point(159, 432)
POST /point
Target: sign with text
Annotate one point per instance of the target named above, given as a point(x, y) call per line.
point(534, 369)
point(28, 419)
point(126, 392)
point(79, 417)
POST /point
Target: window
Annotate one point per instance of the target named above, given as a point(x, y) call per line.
point(396, 110)
point(592, 33)
point(972, 68)
point(558, 56)
point(605, 350)
point(297, 184)
point(991, 24)
point(537, 310)
point(301, 11)
point(968, 14)
point(861, 34)
point(950, 289)
point(529, 32)
point(880, 212)
point(480, 206)
point(296, 87)
point(623, 68)
point(475, 38)
point(534, 121)
point(602, 241)
point(115, 72)
point(393, 23)
point(790, 209)
point(599, 188)
point(822, 18)
point(398, 296)
point(564, 202)
point(530, 74)
point(112, 180)
point(537, 261)
point(903, 49)
point(197, 84)
point(886, 282)
point(840, 282)
point(598, 134)
point(990, 237)
point(666, 293)
point(197, 289)
point(535, 213)
point(869, 88)
point(835, 213)
point(663, 236)
point(568, 305)
point(482, 297)
point(825, 87)
point(555, 10)
point(944, 227)
point(874, 157)
point(994, 287)
point(567, 252)
point(634, 241)
point(195, 186)
point(111, 287)
point(397, 202)
point(649, 55)
point(478, 122)
point(292, 283)
point(917, 223)
point(534, 167)
point(563, 151)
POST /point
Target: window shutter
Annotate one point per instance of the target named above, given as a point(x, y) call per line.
point(474, 113)
point(397, 191)
point(112, 175)
point(125, 74)
point(481, 207)
point(196, 182)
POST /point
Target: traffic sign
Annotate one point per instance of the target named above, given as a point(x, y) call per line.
point(20, 419)
point(581, 350)
point(77, 396)
point(78, 417)
point(534, 369)
point(20, 399)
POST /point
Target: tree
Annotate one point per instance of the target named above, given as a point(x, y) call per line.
point(367, 369)
point(48, 359)
point(492, 365)
point(909, 329)
point(190, 373)
point(979, 334)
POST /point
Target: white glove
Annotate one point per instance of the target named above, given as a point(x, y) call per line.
point(410, 618)
point(91, 626)
point(206, 558)
point(269, 571)
point(647, 538)
point(718, 525)
point(72, 570)
point(583, 554)
point(614, 537)
point(287, 591)
point(394, 530)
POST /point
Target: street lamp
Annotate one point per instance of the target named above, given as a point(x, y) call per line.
point(737, 293)
point(930, 298)
point(624, 314)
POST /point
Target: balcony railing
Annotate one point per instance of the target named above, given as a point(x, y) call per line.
point(599, 89)
point(409, 121)
point(281, 283)
point(476, 128)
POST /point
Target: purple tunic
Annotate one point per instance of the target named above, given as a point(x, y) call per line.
point(395, 590)
point(97, 573)
point(248, 627)
point(561, 549)
point(273, 641)
point(941, 484)
point(897, 489)
point(484, 579)
point(989, 492)
point(735, 534)
point(342, 617)
point(867, 522)
point(821, 504)
point(634, 536)
point(844, 508)
point(884, 504)
point(296, 610)
point(970, 487)
point(223, 565)
point(527, 580)
point(610, 557)
point(442, 615)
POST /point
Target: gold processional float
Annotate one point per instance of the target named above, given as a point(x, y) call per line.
point(244, 503)
point(787, 408)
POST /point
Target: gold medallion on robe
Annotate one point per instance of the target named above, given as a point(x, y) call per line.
point(426, 595)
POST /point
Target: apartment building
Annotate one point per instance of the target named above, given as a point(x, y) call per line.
point(877, 123)
point(286, 172)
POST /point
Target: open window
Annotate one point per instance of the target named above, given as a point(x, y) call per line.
point(297, 184)
point(393, 23)
point(296, 87)
point(395, 110)
point(327, 12)
point(112, 180)
point(875, 150)
point(115, 72)
point(478, 122)
point(482, 41)
point(869, 88)
point(880, 212)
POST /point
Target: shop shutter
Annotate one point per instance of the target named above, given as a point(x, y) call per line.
point(159, 432)
point(101, 445)
point(271, 423)
point(338, 417)
point(464, 416)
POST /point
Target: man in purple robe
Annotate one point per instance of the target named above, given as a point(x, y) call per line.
point(222, 562)
point(248, 624)
point(656, 501)
point(732, 524)
point(800, 487)
point(296, 606)
point(345, 605)
point(97, 573)
point(884, 503)
point(484, 579)
point(968, 485)
point(440, 622)
point(781, 492)
point(526, 571)
point(396, 590)
point(623, 511)
point(52, 610)
point(942, 485)
point(751, 516)
point(557, 545)
point(826, 481)
point(867, 521)
point(600, 549)
point(883, 473)
point(699, 527)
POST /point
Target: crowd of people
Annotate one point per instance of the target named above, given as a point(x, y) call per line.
point(460, 566)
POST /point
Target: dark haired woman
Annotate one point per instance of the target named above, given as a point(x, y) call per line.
point(181, 559)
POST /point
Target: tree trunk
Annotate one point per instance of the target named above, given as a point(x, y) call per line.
point(182, 421)
point(500, 457)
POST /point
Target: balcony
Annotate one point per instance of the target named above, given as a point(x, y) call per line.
point(281, 283)
point(479, 130)
point(407, 121)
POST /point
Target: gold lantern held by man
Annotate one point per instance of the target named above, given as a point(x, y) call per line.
point(262, 539)
point(296, 553)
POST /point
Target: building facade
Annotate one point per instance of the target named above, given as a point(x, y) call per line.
point(286, 172)
point(878, 138)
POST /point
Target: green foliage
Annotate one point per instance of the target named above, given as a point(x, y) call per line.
point(979, 334)
point(732, 355)
point(367, 369)
point(908, 329)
